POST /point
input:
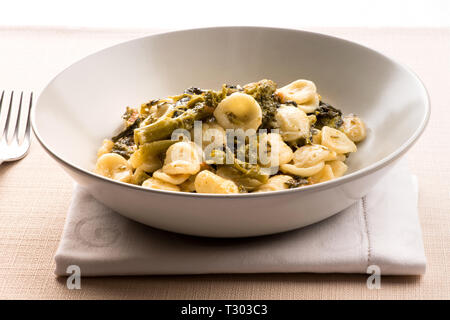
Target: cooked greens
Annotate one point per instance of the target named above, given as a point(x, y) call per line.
point(327, 115)
point(124, 142)
point(247, 170)
point(179, 117)
point(264, 92)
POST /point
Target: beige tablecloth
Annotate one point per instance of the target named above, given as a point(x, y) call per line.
point(35, 192)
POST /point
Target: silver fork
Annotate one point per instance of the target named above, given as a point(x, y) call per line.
point(14, 125)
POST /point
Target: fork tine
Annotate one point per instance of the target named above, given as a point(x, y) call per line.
point(12, 124)
point(4, 112)
point(24, 124)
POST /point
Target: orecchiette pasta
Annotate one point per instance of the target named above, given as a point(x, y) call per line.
point(155, 183)
point(150, 164)
point(188, 185)
point(156, 110)
point(114, 166)
point(310, 105)
point(316, 136)
point(213, 135)
point(240, 139)
point(302, 172)
point(312, 154)
point(275, 183)
point(170, 178)
point(208, 182)
point(106, 147)
point(302, 92)
point(182, 158)
point(337, 141)
point(354, 128)
point(293, 122)
point(339, 168)
point(323, 175)
point(239, 111)
point(278, 152)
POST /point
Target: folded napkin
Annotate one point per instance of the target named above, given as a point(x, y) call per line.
point(381, 229)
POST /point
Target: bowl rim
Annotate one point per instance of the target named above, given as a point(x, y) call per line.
point(306, 189)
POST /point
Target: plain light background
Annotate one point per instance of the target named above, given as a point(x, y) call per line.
point(165, 14)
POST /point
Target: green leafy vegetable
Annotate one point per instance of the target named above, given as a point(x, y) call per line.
point(213, 98)
point(194, 105)
point(180, 117)
point(296, 182)
point(327, 115)
point(154, 149)
point(244, 182)
point(124, 142)
point(264, 93)
point(247, 170)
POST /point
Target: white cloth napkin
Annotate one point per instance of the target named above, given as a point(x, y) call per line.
point(382, 229)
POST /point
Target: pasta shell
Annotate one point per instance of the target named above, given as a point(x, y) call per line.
point(208, 182)
point(310, 155)
point(354, 128)
point(273, 150)
point(182, 158)
point(311, 105)
point(213, 134)
point(316, 136)
point(188, 185)
point(337, 141)
point(114, 166)
point(276, 183)
point(106, 147)
point(154, 183)
point(339, 168)
point(170, 178)
point(239, 111)
point(302, 92)
point(302, 172)
point(323, 175)
point(292, 122)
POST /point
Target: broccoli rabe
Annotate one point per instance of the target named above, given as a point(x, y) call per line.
point(264, 93)
point(213, 98)
point(124, 146)
point(194, 105)
point(296, 182)
point(179, 117)
point(244, 183)
point(194, 90)
point(152, 150)
point(327, 115)
point(124, 142)
point(247, 170)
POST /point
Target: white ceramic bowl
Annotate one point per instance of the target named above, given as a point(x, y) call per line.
point(83, 104)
